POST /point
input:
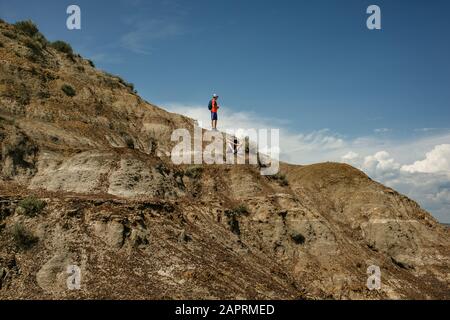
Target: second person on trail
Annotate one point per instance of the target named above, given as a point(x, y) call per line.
point(214, 107)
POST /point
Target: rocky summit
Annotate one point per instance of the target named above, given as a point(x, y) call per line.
point(92, 207)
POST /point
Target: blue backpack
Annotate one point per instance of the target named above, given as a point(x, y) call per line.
point(210, 105)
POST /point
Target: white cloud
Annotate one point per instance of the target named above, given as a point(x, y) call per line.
point(435, 161)
point(228, 119)
point(106, 58)
point(425, 129)
point(426, 180)
point(382, 130)
point(321, 139)
point(430, 129)
point(295, 147)
point(430, 189)
point(381, 165)
point(352, 158)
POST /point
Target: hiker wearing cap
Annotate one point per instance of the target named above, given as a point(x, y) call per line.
point(214, 107)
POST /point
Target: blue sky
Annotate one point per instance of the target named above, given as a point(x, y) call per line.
point(312, 62)
point(339, 91)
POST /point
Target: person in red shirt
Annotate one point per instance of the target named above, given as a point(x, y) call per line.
point(214, 107)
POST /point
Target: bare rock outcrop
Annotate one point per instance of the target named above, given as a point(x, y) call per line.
point(140, 227)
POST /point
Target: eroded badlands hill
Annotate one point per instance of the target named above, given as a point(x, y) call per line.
point(85, 181)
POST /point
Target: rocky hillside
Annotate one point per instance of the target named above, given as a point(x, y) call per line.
point(85, 180)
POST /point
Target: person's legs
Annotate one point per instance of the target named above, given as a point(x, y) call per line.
point(214, 120)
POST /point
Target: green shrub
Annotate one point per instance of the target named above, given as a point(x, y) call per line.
point(129, 142)
point(194, 172)
point(2, 21)
point(112, 80)
point(33, 46)
point(283, 181)
point(10, 35)
point(1, 44)
point(129, 85)
point(68, 90)
point(32, 206)
point(239, 210)
point(22, 237)
point(63, 47)
point(91, 63)
point(162, 169)
point(39, 37)
point(280, 178)
point(43, 94)
point(233, 222)
point(298, 238)
point(178, 176)
point(232, 217)
point(28, 27)
point(23, 94)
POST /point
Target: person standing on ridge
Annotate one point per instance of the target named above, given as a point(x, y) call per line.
point(214, 107)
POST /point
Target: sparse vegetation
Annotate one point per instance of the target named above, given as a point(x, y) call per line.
point(194, 172)
point(36, 50)
point(23, 238)
point(280, 178)
point(63, 47)
point(28, 27)
point(43, 94)
point(162, 169)
point(23, 95)
point(36, 42)
point(232, 216)
point(32, 206)
point(298, 238)
point(2, 21)
point(233, 222)
point(39, 37)
point(178, 176)
point(36, 53)
point(10, 35)
point(129, 142)
point(115, 78)
point(1, 44)
point(238, 211)
point(127, 84)
point(68, 90)
point(91, 63)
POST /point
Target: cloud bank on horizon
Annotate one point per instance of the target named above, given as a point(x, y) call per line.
point(418, 167)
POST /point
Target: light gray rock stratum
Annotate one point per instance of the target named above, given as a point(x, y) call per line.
point(141, 227)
